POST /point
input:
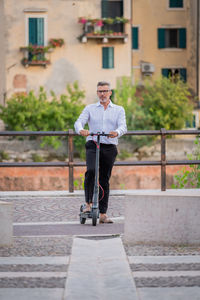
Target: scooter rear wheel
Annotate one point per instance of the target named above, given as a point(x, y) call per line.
point(94, 216)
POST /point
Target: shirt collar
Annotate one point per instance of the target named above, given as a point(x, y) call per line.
point(110, 104)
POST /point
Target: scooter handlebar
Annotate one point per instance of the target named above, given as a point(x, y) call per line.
point(99, 134)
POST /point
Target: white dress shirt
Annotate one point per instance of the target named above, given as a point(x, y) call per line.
point(101, 120)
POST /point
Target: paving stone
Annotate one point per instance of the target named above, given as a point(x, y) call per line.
point(56, 209)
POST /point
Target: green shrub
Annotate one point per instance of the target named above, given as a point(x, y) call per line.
point(37, 158)
point(189, 177)
point(4, 156)
point(38, 113)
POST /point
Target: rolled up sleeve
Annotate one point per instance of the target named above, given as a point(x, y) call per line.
point(121, 123)
point(82, 120)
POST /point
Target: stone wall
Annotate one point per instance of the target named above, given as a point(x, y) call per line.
point(56, 178)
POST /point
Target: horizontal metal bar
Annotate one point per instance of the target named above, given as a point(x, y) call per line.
point(66, 133)
point(35, 164)
point(34, 133)
point(183, 162)
point(118, 163)
point(143, 132)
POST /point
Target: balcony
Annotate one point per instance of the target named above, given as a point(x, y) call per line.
point(36, 55)
point(105, 29)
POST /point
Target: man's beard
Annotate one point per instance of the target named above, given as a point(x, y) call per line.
point(104, 100)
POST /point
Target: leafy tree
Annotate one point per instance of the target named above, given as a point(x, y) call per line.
point(159, 104)
point(38, 113)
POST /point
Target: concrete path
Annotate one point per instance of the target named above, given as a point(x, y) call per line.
point(99, 270)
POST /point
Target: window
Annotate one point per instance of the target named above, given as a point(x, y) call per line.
point(108, 57)
point(135, 38)
point(175, 3)
point(112, 9)
point(174, 73)
point(171, 38)
point(192, 123)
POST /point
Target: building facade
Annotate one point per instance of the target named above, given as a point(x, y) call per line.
point(83, 57)
point(165, 41)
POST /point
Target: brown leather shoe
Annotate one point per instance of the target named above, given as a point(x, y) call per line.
point(105, 220)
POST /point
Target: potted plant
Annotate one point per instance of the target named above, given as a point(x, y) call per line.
point(56, 43)
point(109, 21)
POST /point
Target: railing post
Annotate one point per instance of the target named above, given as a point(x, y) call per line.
point(71, 161)
point(163, 159)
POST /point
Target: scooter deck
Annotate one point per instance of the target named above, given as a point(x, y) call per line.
point(87, 215)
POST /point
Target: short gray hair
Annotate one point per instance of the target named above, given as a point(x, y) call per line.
point(102, 83)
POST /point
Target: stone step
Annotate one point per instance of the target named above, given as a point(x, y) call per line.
point(33, 260)
point(33, 272)
point(165, 271)
point(32, 275)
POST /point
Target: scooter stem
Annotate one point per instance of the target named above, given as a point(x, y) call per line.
point(96, 181)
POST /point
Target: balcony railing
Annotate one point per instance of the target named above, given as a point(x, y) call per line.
point(71, 164)
point(37, 55)
point(39, 58)
point(104, 29)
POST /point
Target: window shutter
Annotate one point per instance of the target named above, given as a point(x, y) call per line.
point(165, 72)
point(40, 31)
point(36, 31)
point(111, 57)
point(161, 38)
point(182, 38)
point(135, 44)
point(32, 31)
point(183, 74)
point(104, 9)
point(108, 57)
point(175, 3)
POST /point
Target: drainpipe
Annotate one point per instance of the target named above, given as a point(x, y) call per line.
point(197, 56)
point(131, 22)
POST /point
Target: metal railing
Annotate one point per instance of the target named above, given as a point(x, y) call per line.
point(71, 164)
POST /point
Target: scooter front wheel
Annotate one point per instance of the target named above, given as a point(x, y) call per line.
point(94, 216)
point(82, 220)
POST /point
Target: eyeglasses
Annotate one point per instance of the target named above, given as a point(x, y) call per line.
point(103, 91)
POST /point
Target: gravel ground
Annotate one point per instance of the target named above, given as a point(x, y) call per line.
point(167, 281)
point(33, 268)
point(152, 250)
point(38, 246)
point(165, 267)
point(23, 282)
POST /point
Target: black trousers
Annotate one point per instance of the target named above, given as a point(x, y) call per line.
point(108, 153)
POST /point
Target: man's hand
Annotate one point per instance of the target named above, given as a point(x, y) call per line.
point(113, 134)
point(84, 132)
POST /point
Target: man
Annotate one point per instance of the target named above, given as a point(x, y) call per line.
point(106, 117)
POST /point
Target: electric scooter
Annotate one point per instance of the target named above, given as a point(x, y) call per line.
point(94, 213)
